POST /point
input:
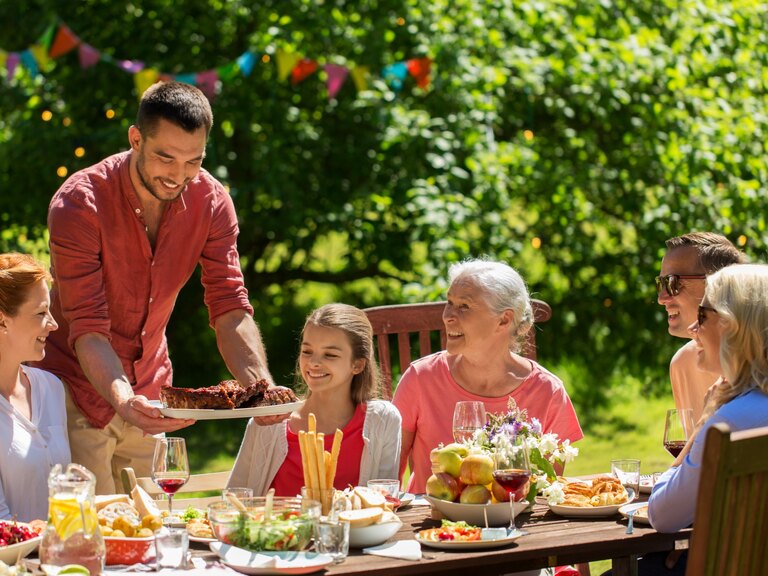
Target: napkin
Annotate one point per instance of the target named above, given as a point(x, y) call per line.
point(402, 549)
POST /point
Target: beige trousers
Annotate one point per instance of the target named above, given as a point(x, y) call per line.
point(106, 451)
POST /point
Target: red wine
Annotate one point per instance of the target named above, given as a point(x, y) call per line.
point(512, 479)
point(170, 485)
point(674, 447)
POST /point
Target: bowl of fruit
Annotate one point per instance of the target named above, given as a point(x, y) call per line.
point(17, 540)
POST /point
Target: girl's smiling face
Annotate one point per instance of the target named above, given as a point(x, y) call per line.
point(326, 361)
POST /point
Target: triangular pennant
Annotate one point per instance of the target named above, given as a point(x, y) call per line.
point(40, 54)
point(360, 77)
point(64, 42)
point(168, 77)
point(186, 78)
point(207, 81)
point(228, 71)
point(88, 55)
point(29, 62)
point(420, 68)
point(394, 74)
point(3, 57)
point(285, 63)
point(336, 77)
point(47, 37)
point(304, 68)
point(11, 62)
point(132, 66)
point(144, 79)
point(246, 62)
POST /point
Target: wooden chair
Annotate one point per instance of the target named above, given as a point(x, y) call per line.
point(426, 321)
point(197, 483)
point(730, 527)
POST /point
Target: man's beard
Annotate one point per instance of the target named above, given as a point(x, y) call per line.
point(151, 188)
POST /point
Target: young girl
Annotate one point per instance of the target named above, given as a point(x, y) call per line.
point(336, 363)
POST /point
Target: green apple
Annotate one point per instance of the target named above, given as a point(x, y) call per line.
point(475, 494)
point(460, 449)
point(476, 469)
point(449, 461)
point(443, 486)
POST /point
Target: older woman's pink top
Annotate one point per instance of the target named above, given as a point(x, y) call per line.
point(427, 394)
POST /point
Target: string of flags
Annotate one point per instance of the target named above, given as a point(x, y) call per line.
point(59, 40)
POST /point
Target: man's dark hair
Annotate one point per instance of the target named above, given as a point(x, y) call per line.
point(715, 251)
point(182, 104)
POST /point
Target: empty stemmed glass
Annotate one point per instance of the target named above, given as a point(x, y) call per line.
point(468, 417)
point(512, 470)
point(678, 427)
point(170, 467)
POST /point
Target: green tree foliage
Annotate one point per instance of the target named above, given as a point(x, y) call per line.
point(568, 138)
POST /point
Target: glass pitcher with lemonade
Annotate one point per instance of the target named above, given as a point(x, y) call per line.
point(72, 535)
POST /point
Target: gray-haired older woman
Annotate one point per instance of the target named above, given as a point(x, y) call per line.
point(486, 317)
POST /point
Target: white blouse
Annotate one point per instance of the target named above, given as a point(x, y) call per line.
point(29, 449)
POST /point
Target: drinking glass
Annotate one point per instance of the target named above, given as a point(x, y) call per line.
point(467, 418)
point(677, 429)
point(512, 470)
point(170, 467)
point(627, 471)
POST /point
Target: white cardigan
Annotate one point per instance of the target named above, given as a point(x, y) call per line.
point(264, 449)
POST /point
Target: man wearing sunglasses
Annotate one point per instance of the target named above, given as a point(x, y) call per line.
point(680, 287)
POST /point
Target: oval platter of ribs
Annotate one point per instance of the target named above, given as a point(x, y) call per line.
point(227, 399)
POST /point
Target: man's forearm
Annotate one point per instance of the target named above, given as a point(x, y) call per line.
point(241, 347)
point(103, 368)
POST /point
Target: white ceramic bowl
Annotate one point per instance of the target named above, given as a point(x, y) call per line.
point(498, 514)
point(9, 554)
point(373, 535)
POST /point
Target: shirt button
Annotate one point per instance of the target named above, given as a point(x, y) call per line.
point(143, 332)
point(151, 299)
point(138, 210)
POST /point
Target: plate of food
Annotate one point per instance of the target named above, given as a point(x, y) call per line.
point(600, 497)
point(249, 562)
point(639, 512)
point(23, 541)
point(227, 399)
point(496, 514)
point(464, 536)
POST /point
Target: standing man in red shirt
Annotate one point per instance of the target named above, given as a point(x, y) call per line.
point(125, 236)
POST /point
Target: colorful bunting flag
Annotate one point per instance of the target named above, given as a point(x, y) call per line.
point(207, 81)
point(420, 68)
point(47, 37)
point(132, 66)
point(40, 54)
point(303, 69)
point(285, 63)
point(395, 74)
point(29, 62)
point(64, 42)
point(11, 62)
point(336, 77)
point(360, 77)
point(144, 79)
point(88, 55)
point(246, 62)
point(3, 57)
point(228, 71)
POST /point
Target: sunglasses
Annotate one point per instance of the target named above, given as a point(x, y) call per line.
point(672, 282)
point(702, 314)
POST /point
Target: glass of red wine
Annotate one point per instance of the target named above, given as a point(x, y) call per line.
point(677, 429)
point(468, 418)
point(170, 467)
point(512, 470)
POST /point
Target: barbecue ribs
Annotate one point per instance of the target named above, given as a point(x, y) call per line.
point(225, 395)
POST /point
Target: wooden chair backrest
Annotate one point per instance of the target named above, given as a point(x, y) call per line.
point(730, 526)
point(424, 321)
point(197, 483)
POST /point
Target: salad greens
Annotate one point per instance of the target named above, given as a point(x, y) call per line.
point(286, 531)
point(192, 512)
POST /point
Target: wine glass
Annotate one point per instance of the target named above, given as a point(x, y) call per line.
point(468, 417)
point(678, 427)
point(170, 467)
point(512, 470)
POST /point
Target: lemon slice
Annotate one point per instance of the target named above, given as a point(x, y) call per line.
point(67, 518)
point(74, 569)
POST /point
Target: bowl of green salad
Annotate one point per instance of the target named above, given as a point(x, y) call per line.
point(261, 524)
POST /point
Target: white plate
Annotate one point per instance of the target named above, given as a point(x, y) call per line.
point(249, 562)
point(405, 500)
point(592, 511)
point(373, 535)
point(201, 539)
point(222, 414)
point(646, 483)
point(9, 554)
point(472, 544)
point(498, 514)
point(636, 517)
